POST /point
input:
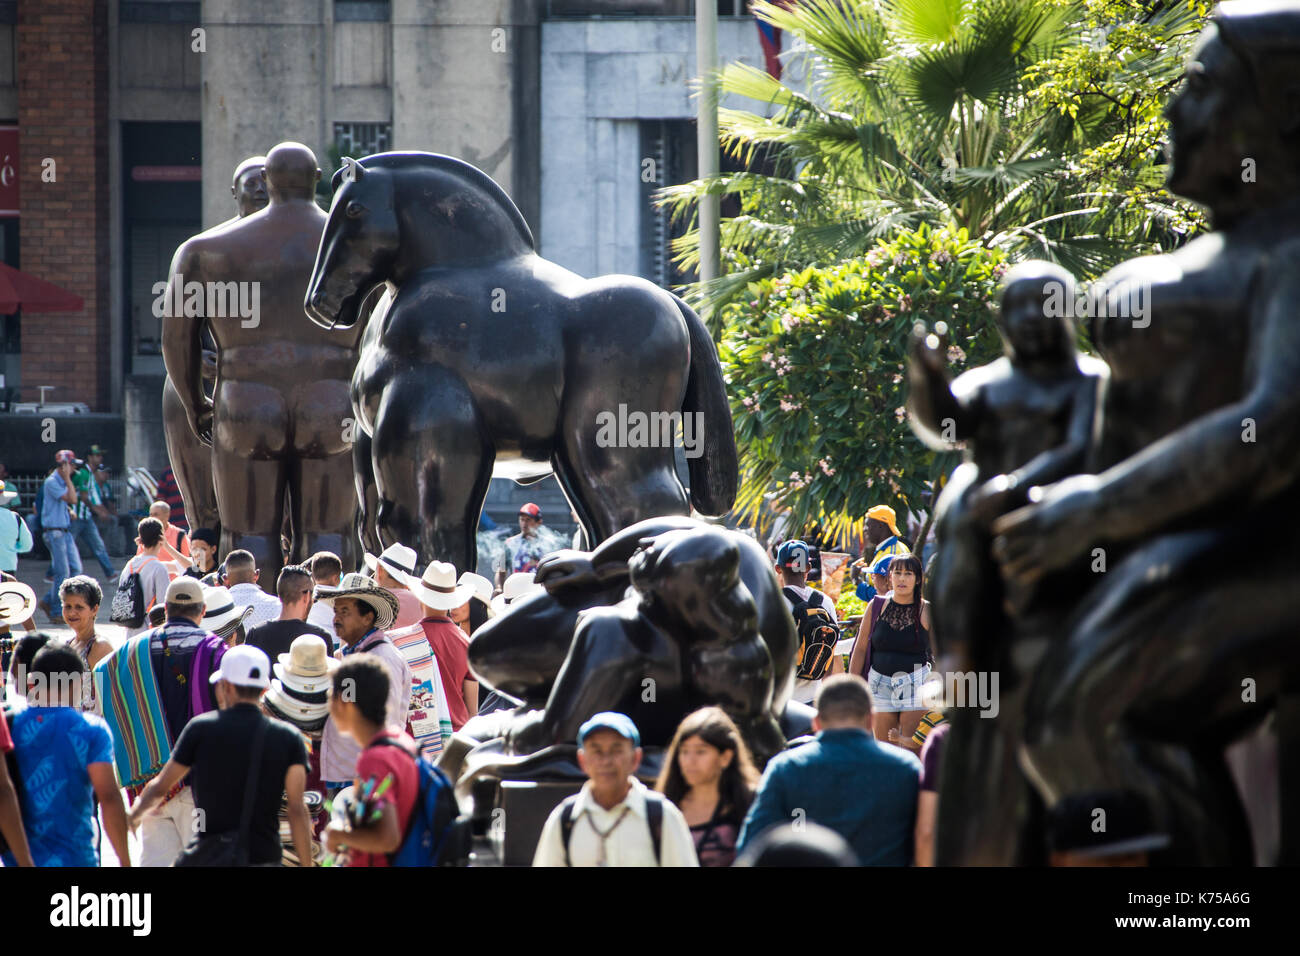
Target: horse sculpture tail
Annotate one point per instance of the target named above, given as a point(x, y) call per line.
point(714, 471)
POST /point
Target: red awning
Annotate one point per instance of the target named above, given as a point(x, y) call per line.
point(18, 289)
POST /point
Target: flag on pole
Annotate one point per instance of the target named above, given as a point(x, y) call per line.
point(770, 37)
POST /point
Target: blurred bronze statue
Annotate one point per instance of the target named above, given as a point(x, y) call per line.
point(487, 360)
point(191, 460)
point(279, 420)
point(1162, 580)
point(1026, 419)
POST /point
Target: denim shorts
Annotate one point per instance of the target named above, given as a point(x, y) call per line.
point(902, 691)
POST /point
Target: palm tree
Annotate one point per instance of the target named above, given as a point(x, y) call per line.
point(917, 111)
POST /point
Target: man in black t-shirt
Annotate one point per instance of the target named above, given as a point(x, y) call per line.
point(294, 587)
point(216, 749)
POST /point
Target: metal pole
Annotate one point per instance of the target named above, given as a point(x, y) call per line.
point(706, 59)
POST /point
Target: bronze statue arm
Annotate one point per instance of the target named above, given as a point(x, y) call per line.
point(931, 403)
point(1238, 454)
point(182, 346)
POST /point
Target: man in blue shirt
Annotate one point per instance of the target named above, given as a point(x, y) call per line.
point(845, 780)
point(58, 497)
point(64, 758)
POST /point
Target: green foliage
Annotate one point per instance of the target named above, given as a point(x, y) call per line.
point(1115, 83)
point(849, 605)
point(815, 363)
point(1032, 124)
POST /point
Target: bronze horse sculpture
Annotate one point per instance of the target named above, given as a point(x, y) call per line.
point(483, 359)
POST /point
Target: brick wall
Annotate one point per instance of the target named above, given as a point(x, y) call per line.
point(63, 115)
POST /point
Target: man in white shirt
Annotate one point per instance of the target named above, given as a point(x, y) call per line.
point(612, 820)
point(326, 570)
point(241, 579)
point(792, 563)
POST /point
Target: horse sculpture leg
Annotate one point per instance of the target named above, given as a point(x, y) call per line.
point(433, 464)
point(363, 473)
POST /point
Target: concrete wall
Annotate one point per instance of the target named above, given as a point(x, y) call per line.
point(461, 86)
point(599, 78)
point(264, 79)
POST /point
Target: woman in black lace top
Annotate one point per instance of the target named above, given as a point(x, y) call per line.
point(898, 657)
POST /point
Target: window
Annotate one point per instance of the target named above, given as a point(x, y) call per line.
point(362, 139)
point(668, 151)
point(361, 11)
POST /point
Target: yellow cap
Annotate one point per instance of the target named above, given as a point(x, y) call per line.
point(886, 514)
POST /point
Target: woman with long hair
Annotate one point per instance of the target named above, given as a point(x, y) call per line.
point(896, 657)
point(709, 774)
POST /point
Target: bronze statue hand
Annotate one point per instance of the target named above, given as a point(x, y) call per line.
point(201, 422)
point(1047, 534)
point(565, 569)
point(992, 498)
point(932, 358)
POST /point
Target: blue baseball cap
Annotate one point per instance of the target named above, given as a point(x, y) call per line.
point(621, 724)
point(882, 566)
point(793, 555)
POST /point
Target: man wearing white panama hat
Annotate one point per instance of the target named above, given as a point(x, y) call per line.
point(222, 614)
point(438, 592)
point(391, 570)
point(362, 612)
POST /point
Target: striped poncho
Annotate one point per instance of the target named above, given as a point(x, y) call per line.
point(429, 719)
point(134, 712)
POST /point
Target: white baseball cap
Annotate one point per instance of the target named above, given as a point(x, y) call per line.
point(244, 666)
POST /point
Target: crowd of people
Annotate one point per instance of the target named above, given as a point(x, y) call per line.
point(298, 726)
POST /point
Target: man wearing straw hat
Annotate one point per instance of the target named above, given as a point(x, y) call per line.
point(223, 615)
point(391, 570)
point(362, 612)
point(439, 592)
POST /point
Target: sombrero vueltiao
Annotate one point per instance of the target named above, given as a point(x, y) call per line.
point(361, 588)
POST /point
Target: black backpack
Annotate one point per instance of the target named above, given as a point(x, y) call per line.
point(128, 603)
point(11, 761)
point(654, 812)
point(818, 634)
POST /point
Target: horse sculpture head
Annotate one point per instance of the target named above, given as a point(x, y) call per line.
point(394, 214)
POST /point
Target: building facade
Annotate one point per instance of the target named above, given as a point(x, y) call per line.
point(121, 122)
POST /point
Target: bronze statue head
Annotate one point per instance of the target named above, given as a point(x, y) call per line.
point(1234, 121)
point(291, 173)
point(360, 240)
point(692, 578)
point(248, 185)
point(1038, 300)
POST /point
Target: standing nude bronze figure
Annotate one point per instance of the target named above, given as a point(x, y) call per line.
point(190, 459)
point(279, 417)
